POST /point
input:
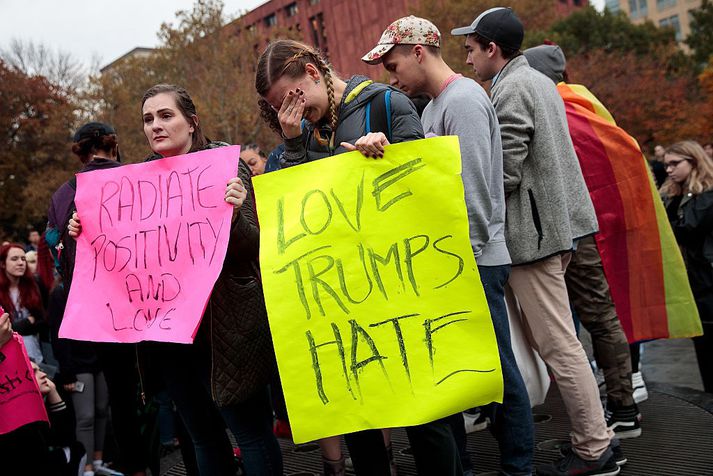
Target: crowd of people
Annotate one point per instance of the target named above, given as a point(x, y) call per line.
point(532, 231)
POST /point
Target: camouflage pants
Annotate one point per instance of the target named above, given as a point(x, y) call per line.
point(589, 293)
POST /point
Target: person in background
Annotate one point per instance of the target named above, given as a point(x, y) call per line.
point(708, 147)
point(410, 51)
point(20, 296)
point(38, 448)
point(688, 196)
point(31, 260)
point(587, 284)
point(33, 239)
point(105, 372)
point(657, 167)
point(255, 158)
point(273, 160)
point(547, 209)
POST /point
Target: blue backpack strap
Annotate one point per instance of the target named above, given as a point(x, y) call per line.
point(387, 101)
point(378, 117)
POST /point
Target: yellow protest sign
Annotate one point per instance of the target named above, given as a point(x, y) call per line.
point(376, 309)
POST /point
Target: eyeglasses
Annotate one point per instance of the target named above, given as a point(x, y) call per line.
point(674, 163)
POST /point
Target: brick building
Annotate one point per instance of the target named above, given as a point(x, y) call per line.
point(343, 29)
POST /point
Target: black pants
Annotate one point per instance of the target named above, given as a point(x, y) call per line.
point(704, 352)
point(118, 362)
point(434, 451)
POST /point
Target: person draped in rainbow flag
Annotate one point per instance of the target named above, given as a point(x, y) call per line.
point(643, 280)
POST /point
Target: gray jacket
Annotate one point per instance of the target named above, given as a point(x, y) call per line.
point(547, 202)
point(405, 124)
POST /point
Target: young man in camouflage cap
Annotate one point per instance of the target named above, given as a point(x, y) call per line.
point(410, 51)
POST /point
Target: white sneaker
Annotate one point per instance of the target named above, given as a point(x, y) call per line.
point(640, 392)
point(102, 470)
point(475, 422)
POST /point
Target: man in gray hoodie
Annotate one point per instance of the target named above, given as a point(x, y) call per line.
point(410, 52)
point(547, 210)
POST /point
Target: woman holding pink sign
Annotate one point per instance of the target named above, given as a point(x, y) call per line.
point(222, 377)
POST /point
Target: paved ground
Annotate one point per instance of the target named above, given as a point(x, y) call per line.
point(684, 448)
point(671, 362)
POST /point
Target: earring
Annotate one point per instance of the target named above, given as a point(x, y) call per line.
point(316, 81)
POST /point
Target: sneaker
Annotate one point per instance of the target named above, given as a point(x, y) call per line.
point(571, 464)
point(623, 420)
point(475, 420)
point(615, 446)
point(640, 392)
point(103, 470)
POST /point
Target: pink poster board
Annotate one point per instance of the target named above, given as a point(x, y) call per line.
point(20, 399)
point(154, 237)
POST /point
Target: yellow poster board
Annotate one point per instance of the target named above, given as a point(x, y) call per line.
point(376, 309)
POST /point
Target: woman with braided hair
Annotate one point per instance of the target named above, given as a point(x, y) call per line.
point(319, 115)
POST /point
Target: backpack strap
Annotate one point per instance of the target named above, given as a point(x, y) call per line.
point(378, 113)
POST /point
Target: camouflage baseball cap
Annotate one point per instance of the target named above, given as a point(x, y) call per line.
point(408, 30)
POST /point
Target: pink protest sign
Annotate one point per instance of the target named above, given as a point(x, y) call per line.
point(153, 241)
point(20, 399)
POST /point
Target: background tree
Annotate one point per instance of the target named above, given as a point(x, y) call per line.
point(700, 40)
point(536, 15)
point(638, 71)
point(213, 61)
point(37, 59)
point(36, 120)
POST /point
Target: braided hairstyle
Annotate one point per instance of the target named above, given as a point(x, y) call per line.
point(290, 58)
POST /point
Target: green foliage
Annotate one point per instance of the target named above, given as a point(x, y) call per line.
point(700, 40)
point(36, 120)
point(213, 59)
point(587, 29)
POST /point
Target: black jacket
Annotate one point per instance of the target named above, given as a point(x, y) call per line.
point(691, 218)
point(234, 332)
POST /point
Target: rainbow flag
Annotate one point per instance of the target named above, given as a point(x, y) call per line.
point(641, 260)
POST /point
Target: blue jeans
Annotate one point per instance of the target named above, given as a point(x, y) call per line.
point(186, 372)
point(251, 424)
point(512, 420)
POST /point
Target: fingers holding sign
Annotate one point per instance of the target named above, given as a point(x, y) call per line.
point(235, 194)
point(371, 145)
point(5, 328)
point(75, 226)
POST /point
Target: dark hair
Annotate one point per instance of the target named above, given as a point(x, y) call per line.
point(508, 53)
point(187, 108)
point(86, 148)
point(256, 148)
point(290, 58)
point(29, 291)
